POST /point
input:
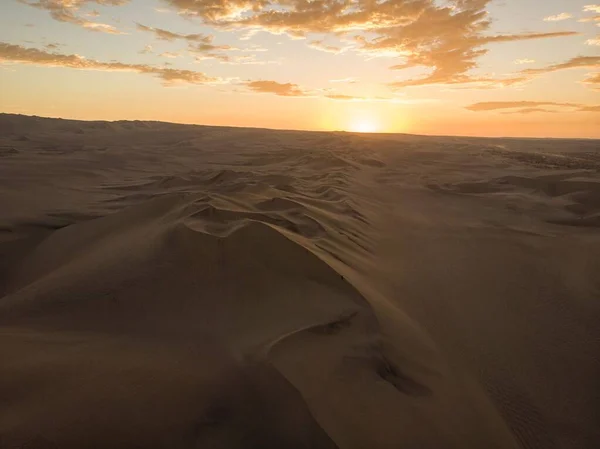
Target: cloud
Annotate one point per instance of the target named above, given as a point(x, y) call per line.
point(322, 46)
point(217, 10)
point(524, 61)
point(66, 11)
point(558, 17)
point(595, 41)
point(574, 63)
point(349, 80)
point(201, 44)
point(170, 36)
point(294, 90)
point(592, 8)
point(527, 36)
point(446, 37)
point(590, 108)
point(580, 62)
point(531, 111)
point(273, 87)
point(246, 60)
point(590, 19)
point(169, 54)
point(33, 56)
point(528, 107)
point(593, 80)
point(342, 97)
point(53, 46)
point(146, 50)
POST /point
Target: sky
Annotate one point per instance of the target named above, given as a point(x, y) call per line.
point(525, 68)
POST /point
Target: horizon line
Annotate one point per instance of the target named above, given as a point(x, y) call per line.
point(357, 133)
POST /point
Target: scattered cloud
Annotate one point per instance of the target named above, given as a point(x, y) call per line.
point(593, 80)
point(528, 36)
point(200, 44)
point(33, 56)
point(53, 46)
point(146, 50)
point(247, 60)
point(253, 48)
point(558, 17)
point(208, 46)
point(574, 63)
point(447, 38)
point(67, 11)
point(590, 19)
point(170, 36)
point(595, 41)
point(531, 111)
point(592, 8)
point(322, 46)
point(169, 54)
point(342, 97)
point(528, 107)
point(273, 87)
point(349, 80)
point(580, 62)
point(524, 61)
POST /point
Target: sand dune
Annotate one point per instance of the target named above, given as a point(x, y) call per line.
point(181, 286)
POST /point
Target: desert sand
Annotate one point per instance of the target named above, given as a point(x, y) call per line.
point(173, 286)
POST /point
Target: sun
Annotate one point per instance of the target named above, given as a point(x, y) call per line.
point(364, 126)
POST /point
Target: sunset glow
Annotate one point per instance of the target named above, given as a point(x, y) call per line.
point(364, 126)
point(459, 67)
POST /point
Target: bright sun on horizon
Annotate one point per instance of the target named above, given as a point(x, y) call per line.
point(364, 126)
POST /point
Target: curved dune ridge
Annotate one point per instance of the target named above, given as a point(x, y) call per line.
point(171, 286)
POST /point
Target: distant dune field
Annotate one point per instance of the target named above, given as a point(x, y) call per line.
point(172, 286)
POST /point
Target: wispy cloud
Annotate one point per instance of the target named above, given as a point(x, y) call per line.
point(170, 36)
point(524, 61)
point(200, 44)
point(67, 11)
point(169, 54)
point(377, 99)
point(580, 62)
point(592, 8)
point(322, 46)
point(558, 17)
point(595, 18)
point(53, 46)
point(593, 80)
point(273, 87)
point(33, 56)
point(350, 80)
point(528, 107)
point(573, 63)
point(146, 50)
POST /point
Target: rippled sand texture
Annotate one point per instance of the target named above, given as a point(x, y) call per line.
point(170, 286)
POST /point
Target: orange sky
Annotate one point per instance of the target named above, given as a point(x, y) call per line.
point(456, 67)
